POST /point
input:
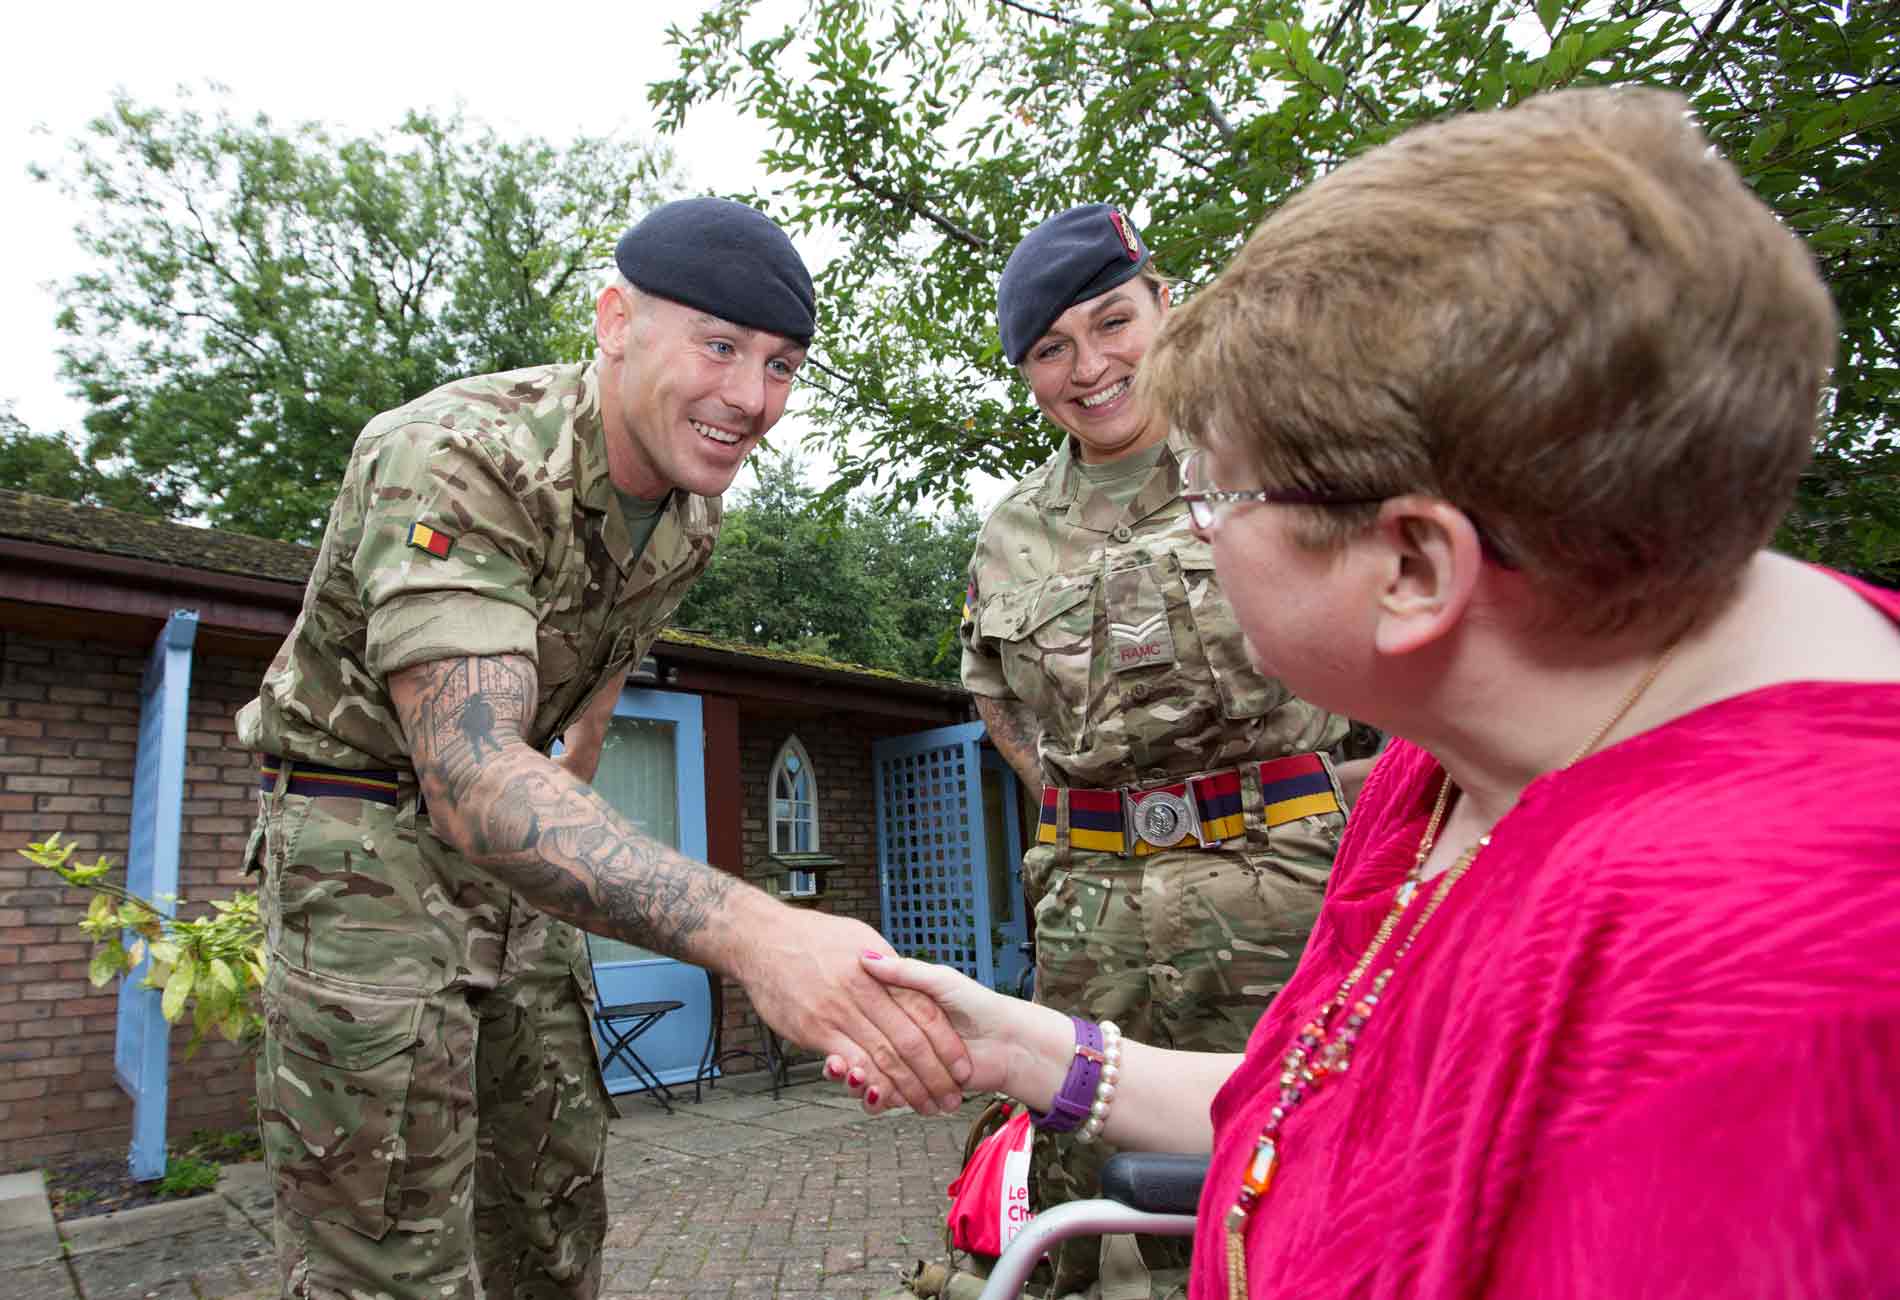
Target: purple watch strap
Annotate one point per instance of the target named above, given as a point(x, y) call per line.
point(1077, 1094)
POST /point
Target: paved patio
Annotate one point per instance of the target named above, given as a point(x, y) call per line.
point(739, 1196)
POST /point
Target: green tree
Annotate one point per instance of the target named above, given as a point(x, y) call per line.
point(259, 292)
point(866, 585)
point(929, 137)
point(47, 464)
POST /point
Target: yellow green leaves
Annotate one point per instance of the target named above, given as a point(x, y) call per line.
point(107, 961)
point(212, 965)
point(178, 988)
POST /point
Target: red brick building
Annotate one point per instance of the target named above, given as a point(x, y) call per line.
point(83, 594)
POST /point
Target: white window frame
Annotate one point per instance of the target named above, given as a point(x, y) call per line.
point(792, 745)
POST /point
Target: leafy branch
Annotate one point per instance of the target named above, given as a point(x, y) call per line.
point(212, 966)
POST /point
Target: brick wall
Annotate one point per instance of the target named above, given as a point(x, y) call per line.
point(847, 812)
point(68, 734)
point(69, 716)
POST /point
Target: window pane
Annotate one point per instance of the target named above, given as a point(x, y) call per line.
point(639, 776)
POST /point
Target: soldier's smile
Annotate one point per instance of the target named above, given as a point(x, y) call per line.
point(1082, 371)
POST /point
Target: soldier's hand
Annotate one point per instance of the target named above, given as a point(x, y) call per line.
point(805, 979)
point(1000, 1032)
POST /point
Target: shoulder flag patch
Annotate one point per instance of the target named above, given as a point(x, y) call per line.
point(425, 538)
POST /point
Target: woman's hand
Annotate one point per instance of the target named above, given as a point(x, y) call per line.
point(1015, 1046)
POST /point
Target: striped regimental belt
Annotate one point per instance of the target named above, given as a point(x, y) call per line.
point(315, 781)
point(1136, 821)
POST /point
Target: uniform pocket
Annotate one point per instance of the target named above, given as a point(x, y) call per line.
point(1244, 692)
point(1046, 635)
point(334, 1083)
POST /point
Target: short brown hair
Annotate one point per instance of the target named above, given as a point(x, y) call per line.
point(1570, 319)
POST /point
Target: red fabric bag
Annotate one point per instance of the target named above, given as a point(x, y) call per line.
point(989, 1201)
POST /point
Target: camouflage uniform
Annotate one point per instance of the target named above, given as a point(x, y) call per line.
point(1107, 623)
point(428, 1089)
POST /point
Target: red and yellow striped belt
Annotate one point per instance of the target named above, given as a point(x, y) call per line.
point(1140, 820)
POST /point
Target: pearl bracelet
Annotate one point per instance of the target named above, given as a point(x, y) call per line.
point(1105, 1089)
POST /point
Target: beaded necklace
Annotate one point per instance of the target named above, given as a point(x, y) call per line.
point(1320, 1052)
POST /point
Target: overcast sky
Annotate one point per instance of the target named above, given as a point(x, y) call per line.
point(553, 71)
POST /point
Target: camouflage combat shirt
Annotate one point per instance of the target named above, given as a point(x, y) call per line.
point(1109, 625)
point(507, 474)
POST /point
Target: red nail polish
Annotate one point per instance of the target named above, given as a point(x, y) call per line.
point(873, 956)
point(871, 1097)
point(857, 1079)
point(831, 1071)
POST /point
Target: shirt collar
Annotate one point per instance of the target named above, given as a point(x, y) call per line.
point(1067, 489)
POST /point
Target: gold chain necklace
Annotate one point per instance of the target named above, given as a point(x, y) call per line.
point(1320, 1052)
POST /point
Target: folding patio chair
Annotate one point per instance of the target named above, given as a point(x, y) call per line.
point(620, 1027)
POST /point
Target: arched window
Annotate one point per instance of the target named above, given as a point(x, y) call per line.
point(793, 812)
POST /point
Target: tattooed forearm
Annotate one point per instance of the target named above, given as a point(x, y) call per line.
point(532, 823)
point(1014, 732)
point(465, 710)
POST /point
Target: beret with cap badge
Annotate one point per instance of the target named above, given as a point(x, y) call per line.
point(724, 258)
point(1070, 258)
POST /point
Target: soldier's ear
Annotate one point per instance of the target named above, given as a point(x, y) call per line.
point(613, 321)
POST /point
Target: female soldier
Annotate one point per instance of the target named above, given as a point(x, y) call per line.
point(1189, 817)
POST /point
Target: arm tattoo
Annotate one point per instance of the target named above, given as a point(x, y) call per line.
point(540, 830)
point(1014, 732)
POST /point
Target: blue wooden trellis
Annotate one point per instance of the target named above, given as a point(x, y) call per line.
point(932, 859)
point(142, 1053)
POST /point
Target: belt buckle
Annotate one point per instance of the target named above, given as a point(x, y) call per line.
point(1160, 818)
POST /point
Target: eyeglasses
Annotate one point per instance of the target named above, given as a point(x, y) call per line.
point(1204, 501)
point(1204, 504)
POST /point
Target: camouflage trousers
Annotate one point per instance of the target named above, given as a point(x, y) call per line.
point(432, 1109)
point(1183, 949)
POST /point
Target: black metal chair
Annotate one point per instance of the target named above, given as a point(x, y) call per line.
point(717, 1053)
point(620, 1027)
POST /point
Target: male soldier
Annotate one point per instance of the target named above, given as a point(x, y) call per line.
point(501, 550)
point(1188, 820)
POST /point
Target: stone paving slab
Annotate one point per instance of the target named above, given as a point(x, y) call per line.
point(125, 1228)
point(27, 1234)
point(170, 1266)
point(49, 1280)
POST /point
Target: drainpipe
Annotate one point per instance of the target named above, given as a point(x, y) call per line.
point(141, 1055)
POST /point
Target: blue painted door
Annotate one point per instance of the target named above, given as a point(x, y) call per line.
point(652, 770)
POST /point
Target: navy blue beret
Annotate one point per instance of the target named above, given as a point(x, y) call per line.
point(1070, 258)
point(724, 258)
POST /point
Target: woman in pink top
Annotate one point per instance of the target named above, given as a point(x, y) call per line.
point(1605, 998)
